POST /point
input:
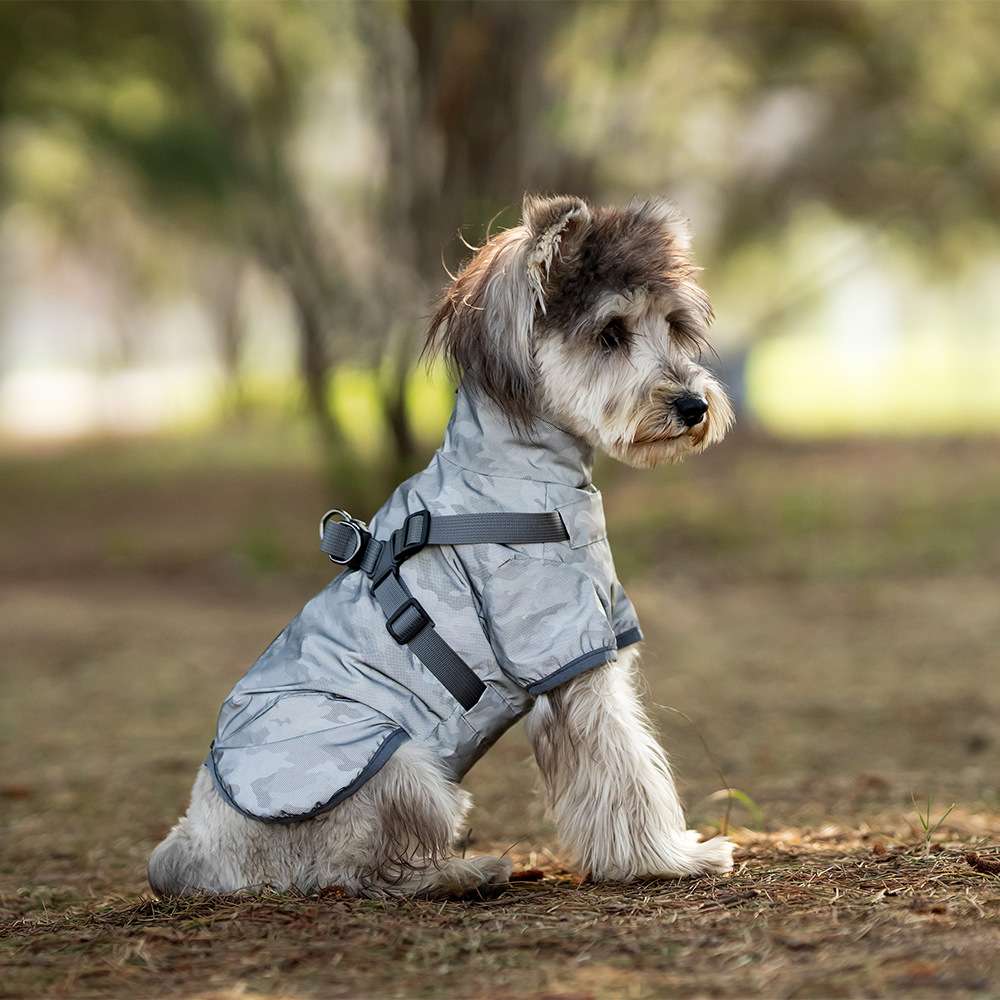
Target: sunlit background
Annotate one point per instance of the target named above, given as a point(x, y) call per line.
point(216, 210)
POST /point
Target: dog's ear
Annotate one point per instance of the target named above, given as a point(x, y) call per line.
point(671, 218)
point(485, 320)
point(551, 222)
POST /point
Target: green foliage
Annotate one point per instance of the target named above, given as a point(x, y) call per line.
point(928, 824)
point(734, 795)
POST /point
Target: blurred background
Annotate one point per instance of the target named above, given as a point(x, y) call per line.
point(222, 226)
point(229, 210)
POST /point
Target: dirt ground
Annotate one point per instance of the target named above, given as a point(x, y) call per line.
point(826, 616)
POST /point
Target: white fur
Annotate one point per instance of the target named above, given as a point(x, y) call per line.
point(392, 837)
point(609, 786)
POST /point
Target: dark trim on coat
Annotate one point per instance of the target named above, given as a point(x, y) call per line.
point(569, 670)
point(376, 762)
point(629, 637)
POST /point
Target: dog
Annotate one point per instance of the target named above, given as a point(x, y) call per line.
point(338, 756)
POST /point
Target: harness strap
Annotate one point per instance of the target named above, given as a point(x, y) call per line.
point(503, 529)
point(408, 623)
point(344, 541)
point(349, 543)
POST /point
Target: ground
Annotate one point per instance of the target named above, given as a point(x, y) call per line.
point(825, 616)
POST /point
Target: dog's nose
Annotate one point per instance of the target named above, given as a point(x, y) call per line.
point(692, 409)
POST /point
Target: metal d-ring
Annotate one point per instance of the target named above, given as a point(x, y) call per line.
point(346, 519)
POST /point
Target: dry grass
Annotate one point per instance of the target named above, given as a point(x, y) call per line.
point(826, 615)
point(829, 913)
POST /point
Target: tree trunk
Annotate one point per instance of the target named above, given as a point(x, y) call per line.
point(397, 416)
point(222, 280)
point(314, 365)
point(277, 223)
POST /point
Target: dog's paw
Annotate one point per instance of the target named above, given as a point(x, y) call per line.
point(457, 876)
point(684, 855)
point(711, 857)
point(495, 871)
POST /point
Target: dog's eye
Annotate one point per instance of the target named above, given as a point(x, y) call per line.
point(614, 336)
point(684, 333)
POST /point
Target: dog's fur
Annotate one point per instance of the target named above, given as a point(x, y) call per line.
point(590, 318)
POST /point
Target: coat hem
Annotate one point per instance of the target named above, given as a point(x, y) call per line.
point(568, 671)
point(629, 637)
point(376, 762)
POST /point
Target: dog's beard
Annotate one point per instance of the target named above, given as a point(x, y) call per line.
point(645, 453)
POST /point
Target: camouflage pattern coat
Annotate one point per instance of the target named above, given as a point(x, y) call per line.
point(333, 696)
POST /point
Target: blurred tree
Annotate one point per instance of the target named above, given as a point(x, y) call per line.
point(220, 277)
point(200, 102)
point(884, 113)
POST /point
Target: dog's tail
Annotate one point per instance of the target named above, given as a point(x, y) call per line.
point(178, 868)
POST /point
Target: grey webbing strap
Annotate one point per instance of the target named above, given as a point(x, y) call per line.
point(370, 557)
point(408, 624)
point(502, 529)
point(349, 543)
point(341, 541)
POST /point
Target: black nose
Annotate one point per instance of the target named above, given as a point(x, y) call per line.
point(692, 409)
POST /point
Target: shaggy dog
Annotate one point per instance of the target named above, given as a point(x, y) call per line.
point(577, 330)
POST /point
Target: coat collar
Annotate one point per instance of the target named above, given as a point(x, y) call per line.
point(479, 437)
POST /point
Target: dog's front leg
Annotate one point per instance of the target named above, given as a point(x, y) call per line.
point(610, 790)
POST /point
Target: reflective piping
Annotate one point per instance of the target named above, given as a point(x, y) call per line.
point(569, 670)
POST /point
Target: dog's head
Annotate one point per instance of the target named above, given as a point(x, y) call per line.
point(590, 318)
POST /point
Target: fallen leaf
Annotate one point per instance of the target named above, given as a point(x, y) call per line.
point(527, 875)
point(16, 792)
point(987, 866)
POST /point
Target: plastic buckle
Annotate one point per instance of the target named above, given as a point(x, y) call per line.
point(411, 631)
point(358, 527)
point(412, 537)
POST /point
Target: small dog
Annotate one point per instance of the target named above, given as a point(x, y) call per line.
point(578, 329)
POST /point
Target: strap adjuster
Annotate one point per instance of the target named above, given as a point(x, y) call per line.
point(404, 631)
point(347, 523)
point(411, 537)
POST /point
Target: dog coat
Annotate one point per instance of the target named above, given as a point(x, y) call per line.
point(335, 694)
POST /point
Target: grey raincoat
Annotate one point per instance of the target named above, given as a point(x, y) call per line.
point(333, 696)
